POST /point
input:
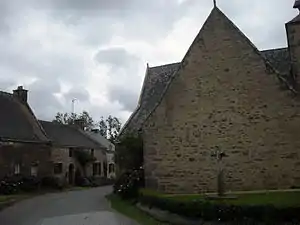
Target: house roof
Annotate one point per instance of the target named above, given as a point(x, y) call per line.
point(101, 140)
point(17, 121)
point(158, 78)
point(155, 82)
point(68, 136)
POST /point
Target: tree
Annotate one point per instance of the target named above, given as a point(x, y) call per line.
point(129, 153)
point(103, 127)
point(113, 128)
point(65, 118)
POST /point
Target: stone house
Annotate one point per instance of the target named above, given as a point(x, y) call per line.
point(109, 150)
point(66, 139)
point(224, 96)
point(24, 145)
point(40, 148)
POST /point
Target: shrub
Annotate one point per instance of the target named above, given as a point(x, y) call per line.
point(128, 184)
point(208, 210)
point(17, 183)
point(51, 182)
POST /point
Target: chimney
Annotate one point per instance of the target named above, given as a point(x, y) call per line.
point(96, 131)
point(79, 123)
point(20, 94)
point(293, 38)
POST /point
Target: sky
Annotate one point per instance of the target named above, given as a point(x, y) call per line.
point(96, 51)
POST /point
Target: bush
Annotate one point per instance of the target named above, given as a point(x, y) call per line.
point(207, 210)
point(51, 182)
point(128, 184)
point(17, 183)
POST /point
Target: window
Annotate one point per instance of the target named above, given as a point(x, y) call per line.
point(17, 169)
point(111, 168)
point(58, 167)
point(34, 171)
point(92, 152)
point(96, 169)
point(71, 152)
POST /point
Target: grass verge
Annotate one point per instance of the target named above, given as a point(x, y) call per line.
point(279, 199)
point(129, 210)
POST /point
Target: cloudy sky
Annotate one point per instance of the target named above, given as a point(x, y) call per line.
point(96, 50)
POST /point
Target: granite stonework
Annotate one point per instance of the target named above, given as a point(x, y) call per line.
point(226, 95)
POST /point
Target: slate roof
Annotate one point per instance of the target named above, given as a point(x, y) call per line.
point(158, 78)
point(279, 59)
point(101, 140)
point(68, 136)
point(17, 121)
point(155, 82)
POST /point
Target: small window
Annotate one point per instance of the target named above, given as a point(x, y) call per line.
point(58, 167)
point(111, 168)
point(71, 150)
point(92, 152)
point(96, 169)
point(34, 171)
point(17, 169)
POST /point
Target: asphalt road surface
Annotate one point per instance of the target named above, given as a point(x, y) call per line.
point(87, 207)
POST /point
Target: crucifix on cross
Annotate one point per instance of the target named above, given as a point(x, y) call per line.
point(219, 155)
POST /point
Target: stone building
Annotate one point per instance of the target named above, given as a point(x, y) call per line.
point(40, 148)
point(24, 146)
point(65, 140)
point(224, 96)
point(109, 149)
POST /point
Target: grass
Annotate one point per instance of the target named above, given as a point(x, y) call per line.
point(278, 198)
point(129, 210)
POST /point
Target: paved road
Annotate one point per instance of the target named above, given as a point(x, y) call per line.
point(88, 207)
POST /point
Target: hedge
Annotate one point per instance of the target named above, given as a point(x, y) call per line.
point(210, 211)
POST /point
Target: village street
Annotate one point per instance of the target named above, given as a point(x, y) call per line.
point(86, 207)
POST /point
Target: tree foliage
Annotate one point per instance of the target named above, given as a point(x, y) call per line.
point(108, 128)
point(129, 153)
point(66, 118)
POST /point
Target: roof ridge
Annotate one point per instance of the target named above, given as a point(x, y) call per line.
point(168, 64)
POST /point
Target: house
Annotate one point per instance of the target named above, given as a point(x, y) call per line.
point(109, 148)
point(225, 96)
point(24, 145)
point(40, 148)
point(66, 140)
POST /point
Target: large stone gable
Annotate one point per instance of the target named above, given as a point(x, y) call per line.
point(224, 95)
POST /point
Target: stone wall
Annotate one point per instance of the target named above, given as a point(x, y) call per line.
point(61, 155)
point(223, 97)
point(25, 155)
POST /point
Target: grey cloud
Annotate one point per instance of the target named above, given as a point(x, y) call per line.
point(123, 66)
point(42, 99)
point(128, 98)
point(116, 57)
point(78, 93)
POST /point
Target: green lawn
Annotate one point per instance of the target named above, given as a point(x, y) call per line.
point(131, 211)
point(279, 199)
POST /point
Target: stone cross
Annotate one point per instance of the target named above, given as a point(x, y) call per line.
point(219, 155)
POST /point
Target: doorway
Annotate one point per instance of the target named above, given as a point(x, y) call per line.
point(71, 174)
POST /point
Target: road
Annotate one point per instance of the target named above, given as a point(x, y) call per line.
point(86, 207)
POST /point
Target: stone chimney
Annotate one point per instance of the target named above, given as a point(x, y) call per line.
point(293, 37)
point(79, 123)
point(20, 94)
point(96, 131)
